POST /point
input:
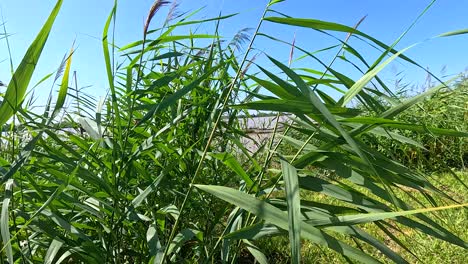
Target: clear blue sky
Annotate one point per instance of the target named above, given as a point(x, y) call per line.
point(84, 20)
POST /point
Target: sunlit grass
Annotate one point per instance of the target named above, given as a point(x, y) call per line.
point(427, 249)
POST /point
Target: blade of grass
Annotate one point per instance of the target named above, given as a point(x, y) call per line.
point(348, 220)
point(4, 221)
point(18, 85)
point(64, 85)
point(294, 209)
point(272, 214)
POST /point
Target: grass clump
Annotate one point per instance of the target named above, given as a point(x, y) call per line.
point(444, 109)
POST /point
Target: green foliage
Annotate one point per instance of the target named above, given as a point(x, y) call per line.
point(18, 85)
point(158, 171)
point(424, 249)
point(445, 109)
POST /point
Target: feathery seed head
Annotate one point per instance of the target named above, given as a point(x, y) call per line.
point(154, 8)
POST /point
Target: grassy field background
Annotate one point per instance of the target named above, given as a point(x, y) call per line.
point(427, 249)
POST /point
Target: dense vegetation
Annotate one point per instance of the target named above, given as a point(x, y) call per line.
point(445, 109)
point(157, 172)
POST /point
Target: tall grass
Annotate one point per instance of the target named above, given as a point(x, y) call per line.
point(157, 173)
point(445, 109)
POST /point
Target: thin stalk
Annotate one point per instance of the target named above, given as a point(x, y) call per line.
point(211, 136)
point(260, 175)
point(13, 150)
point(115, 108)
point(77, 94)
point(345, 42)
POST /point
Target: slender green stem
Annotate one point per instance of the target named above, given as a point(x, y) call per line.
point(211, 136)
